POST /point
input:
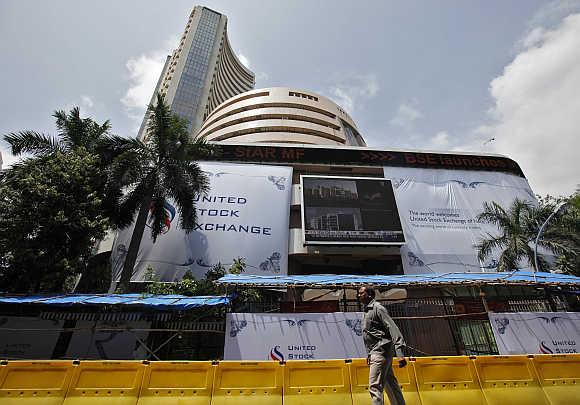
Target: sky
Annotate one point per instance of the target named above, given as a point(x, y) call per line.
point(485, 76)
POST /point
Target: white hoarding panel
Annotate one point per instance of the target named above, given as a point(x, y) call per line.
point(536, 332)
point(28, 337)
point(438, 210)
point(245, 214)
point(307, 336)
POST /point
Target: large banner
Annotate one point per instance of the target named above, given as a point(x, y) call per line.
point(245, 214)
point(307, 336)
point(438, 211)
point(536, 332)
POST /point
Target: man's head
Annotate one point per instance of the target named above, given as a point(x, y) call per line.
point(366, 294)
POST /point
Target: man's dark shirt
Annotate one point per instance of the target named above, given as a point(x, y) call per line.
point(380, 333)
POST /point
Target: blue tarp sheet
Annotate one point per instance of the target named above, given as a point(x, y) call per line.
point(327, 280)
point(168, 302)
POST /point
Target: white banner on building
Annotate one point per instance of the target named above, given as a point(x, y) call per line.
point(245, 214)
point(308, 336)
point(438, 210)
point(536, 332)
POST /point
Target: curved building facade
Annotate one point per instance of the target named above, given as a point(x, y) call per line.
point(281, 115)
point(203, 71)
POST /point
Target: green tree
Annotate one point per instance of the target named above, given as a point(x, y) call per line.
point(50, 219)
point(161, 167)
point(518, 227)
point(72, 132)
point(566, 225)
point(67, 167)
point(207, 286)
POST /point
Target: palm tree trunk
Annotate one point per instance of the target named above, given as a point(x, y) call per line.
point(133, 251)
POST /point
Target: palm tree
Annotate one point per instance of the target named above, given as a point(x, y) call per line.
point(161, 167)
point(519, 226)
point(73, 132)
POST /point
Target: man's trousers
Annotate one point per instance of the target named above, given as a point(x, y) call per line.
point(381, 377)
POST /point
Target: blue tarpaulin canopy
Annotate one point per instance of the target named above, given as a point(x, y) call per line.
point(415, 280)
point(164, 302)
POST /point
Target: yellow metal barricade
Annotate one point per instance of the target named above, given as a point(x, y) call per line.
point(509, 380)
point(105, 382)
point(317, 382)
point(359, 382)
point(34, 382)
point(177, 383)
point(248, 382)
point(559, 377)
point(447, 381)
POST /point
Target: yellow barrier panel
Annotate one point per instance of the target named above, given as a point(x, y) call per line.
point(316, 382)
point(180, 382)
point(247, 382)
point(34, 382)
point(559, 377)
point(105, 382)
point(359, 382)
point(447, 381)
point(509, 380)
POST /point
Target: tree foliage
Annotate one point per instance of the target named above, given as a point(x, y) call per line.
point(50, 219)
point(518, 227)
point(152, 171)
point(55, 204)
point(189, 286)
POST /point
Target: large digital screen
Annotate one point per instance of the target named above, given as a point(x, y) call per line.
point(349, 210)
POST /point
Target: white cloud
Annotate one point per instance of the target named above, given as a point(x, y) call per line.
point(87, 101)
point(440, 141)
point(144, 71)
point(552, 13)
point(537, 108)
point(7, 157)
point(352, 91)
point(245, 61)
point(406, 116)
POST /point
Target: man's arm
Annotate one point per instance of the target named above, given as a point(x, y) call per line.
point(396, 335)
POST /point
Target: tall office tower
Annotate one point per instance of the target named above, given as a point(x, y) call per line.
point(203, 71)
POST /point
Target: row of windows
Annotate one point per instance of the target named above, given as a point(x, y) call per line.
point(302, 95)
point(260, 94)
point(264, 105)
point(190, 86)
point(296, 130)
point(275, 116)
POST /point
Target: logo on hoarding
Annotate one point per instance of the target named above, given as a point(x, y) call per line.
point(169, 215)
point(355, 326)
point(272, 263)
point(501, 324)
point(275, 354)
point(236, 327)
point(545, 349)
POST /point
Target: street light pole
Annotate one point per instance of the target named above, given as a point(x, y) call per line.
point(556, 211)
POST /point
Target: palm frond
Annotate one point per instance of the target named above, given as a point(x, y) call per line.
point(32, 142)
point(486, 246)
point(158, 216)
point(183, 183)
point(132, 200)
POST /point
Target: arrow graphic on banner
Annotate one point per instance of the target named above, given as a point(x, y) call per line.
point(381, 156)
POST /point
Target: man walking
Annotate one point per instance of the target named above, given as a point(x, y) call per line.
point(382, 340)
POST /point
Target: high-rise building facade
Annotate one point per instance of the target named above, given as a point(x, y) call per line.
point(203, 71)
